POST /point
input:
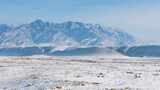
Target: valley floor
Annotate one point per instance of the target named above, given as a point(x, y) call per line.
point(52, 73)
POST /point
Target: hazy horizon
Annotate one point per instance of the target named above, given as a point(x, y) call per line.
point(137, 17)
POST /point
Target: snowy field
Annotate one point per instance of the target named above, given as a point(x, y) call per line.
point(79, 73)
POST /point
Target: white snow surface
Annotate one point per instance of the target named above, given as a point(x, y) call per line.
point(79, 73)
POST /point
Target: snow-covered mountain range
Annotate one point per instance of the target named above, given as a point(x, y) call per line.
point(67, 34)
point(69, 39)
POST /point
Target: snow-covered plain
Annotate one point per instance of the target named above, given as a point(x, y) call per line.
point(79, 73)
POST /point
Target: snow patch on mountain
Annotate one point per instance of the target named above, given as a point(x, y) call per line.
point(67, 34)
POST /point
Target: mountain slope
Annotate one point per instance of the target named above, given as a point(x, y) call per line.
point(89, 51)
point(29, 51)
point(67, 34)
point(141, 51)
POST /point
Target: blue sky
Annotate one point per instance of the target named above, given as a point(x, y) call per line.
point(138, 17)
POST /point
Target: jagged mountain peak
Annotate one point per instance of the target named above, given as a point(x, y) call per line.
point(64, 34)
point(38, 21)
